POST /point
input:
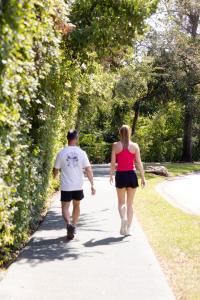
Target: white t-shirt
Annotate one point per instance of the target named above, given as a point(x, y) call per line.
point(71, 160)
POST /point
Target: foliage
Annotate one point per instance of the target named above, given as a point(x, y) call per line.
point(160, 136)
point(99, 151)
point(36, 97)
point(108, 25)
point(94, 96)
point(108, 97)
point(175, 49)
point(49, 80)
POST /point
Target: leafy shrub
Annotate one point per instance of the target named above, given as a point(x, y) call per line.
point(99, 153)
point(38, 93)
point(160, 136)
point(97, 150)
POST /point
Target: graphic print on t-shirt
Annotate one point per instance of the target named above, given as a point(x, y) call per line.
point(72, 159)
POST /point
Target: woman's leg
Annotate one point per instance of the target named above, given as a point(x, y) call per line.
point(121, 202)
point(121, 193)
point(130, 198)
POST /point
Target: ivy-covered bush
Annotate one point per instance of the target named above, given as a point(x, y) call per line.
point(38, 94)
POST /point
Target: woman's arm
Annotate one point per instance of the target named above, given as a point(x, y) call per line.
point(113, 162)
point(140, 165)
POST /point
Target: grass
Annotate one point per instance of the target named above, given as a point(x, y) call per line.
point(173, 234)
point(182, 168)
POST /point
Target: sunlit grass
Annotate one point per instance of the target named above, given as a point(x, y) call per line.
point(174, 235)
point(182, 168)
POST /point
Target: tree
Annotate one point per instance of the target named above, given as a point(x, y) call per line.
point(105, 26)
point(176, 51)
point(187, 55)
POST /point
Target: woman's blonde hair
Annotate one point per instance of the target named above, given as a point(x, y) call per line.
point(125, 134)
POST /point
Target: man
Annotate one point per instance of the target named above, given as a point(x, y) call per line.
point(72, 161)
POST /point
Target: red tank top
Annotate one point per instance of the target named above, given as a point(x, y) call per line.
point(125, 160)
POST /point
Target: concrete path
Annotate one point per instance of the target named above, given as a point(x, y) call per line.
point(98, 264)
point(182, 192)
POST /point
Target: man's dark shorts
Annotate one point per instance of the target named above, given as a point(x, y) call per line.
point(67, 196)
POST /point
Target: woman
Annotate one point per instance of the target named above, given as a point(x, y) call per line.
point(125, 153)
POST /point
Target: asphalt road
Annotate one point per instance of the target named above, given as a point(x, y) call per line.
point(182, 192)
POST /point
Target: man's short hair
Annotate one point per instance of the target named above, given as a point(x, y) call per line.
point(72, 135)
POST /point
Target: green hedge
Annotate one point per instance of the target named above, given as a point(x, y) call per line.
point(99, 153)
point(38, 93)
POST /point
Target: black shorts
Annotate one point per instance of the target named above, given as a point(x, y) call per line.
point(125, 179)
point(67, 196)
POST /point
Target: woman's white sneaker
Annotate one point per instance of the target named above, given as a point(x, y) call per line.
point(128, 231)
point(123, 228)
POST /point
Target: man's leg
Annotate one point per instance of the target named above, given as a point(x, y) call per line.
point(76, 211)
point(66, 217)
point(65, 211)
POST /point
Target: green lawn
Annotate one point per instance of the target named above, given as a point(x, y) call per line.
point(174, 235)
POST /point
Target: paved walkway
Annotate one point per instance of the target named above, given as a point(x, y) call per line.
point(182, 192)
point(98, 264)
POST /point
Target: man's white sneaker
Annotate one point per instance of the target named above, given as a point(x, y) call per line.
point(123, 228)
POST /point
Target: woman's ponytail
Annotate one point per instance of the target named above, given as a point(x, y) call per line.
point(125, 133)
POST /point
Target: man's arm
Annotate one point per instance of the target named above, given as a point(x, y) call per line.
point(89, 174)
point(55, 173)
point(57, 166)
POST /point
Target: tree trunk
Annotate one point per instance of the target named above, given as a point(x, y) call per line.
point(136, 115)
point(194, 21)
point(187, 138)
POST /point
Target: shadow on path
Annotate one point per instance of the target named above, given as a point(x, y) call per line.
point(44, 250)
point(105, 242)
point(87, 221)
point(48, 246)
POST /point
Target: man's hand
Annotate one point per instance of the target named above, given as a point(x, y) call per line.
point(89, 174)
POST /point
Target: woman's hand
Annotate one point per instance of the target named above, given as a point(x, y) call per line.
point(93, 191)
point(143, 182)
point(111, 179)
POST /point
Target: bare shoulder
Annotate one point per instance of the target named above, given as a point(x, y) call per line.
point(134, 146)
point(115, 144)
point(117, 147)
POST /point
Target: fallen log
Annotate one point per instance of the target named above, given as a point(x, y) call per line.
point(157, 170)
